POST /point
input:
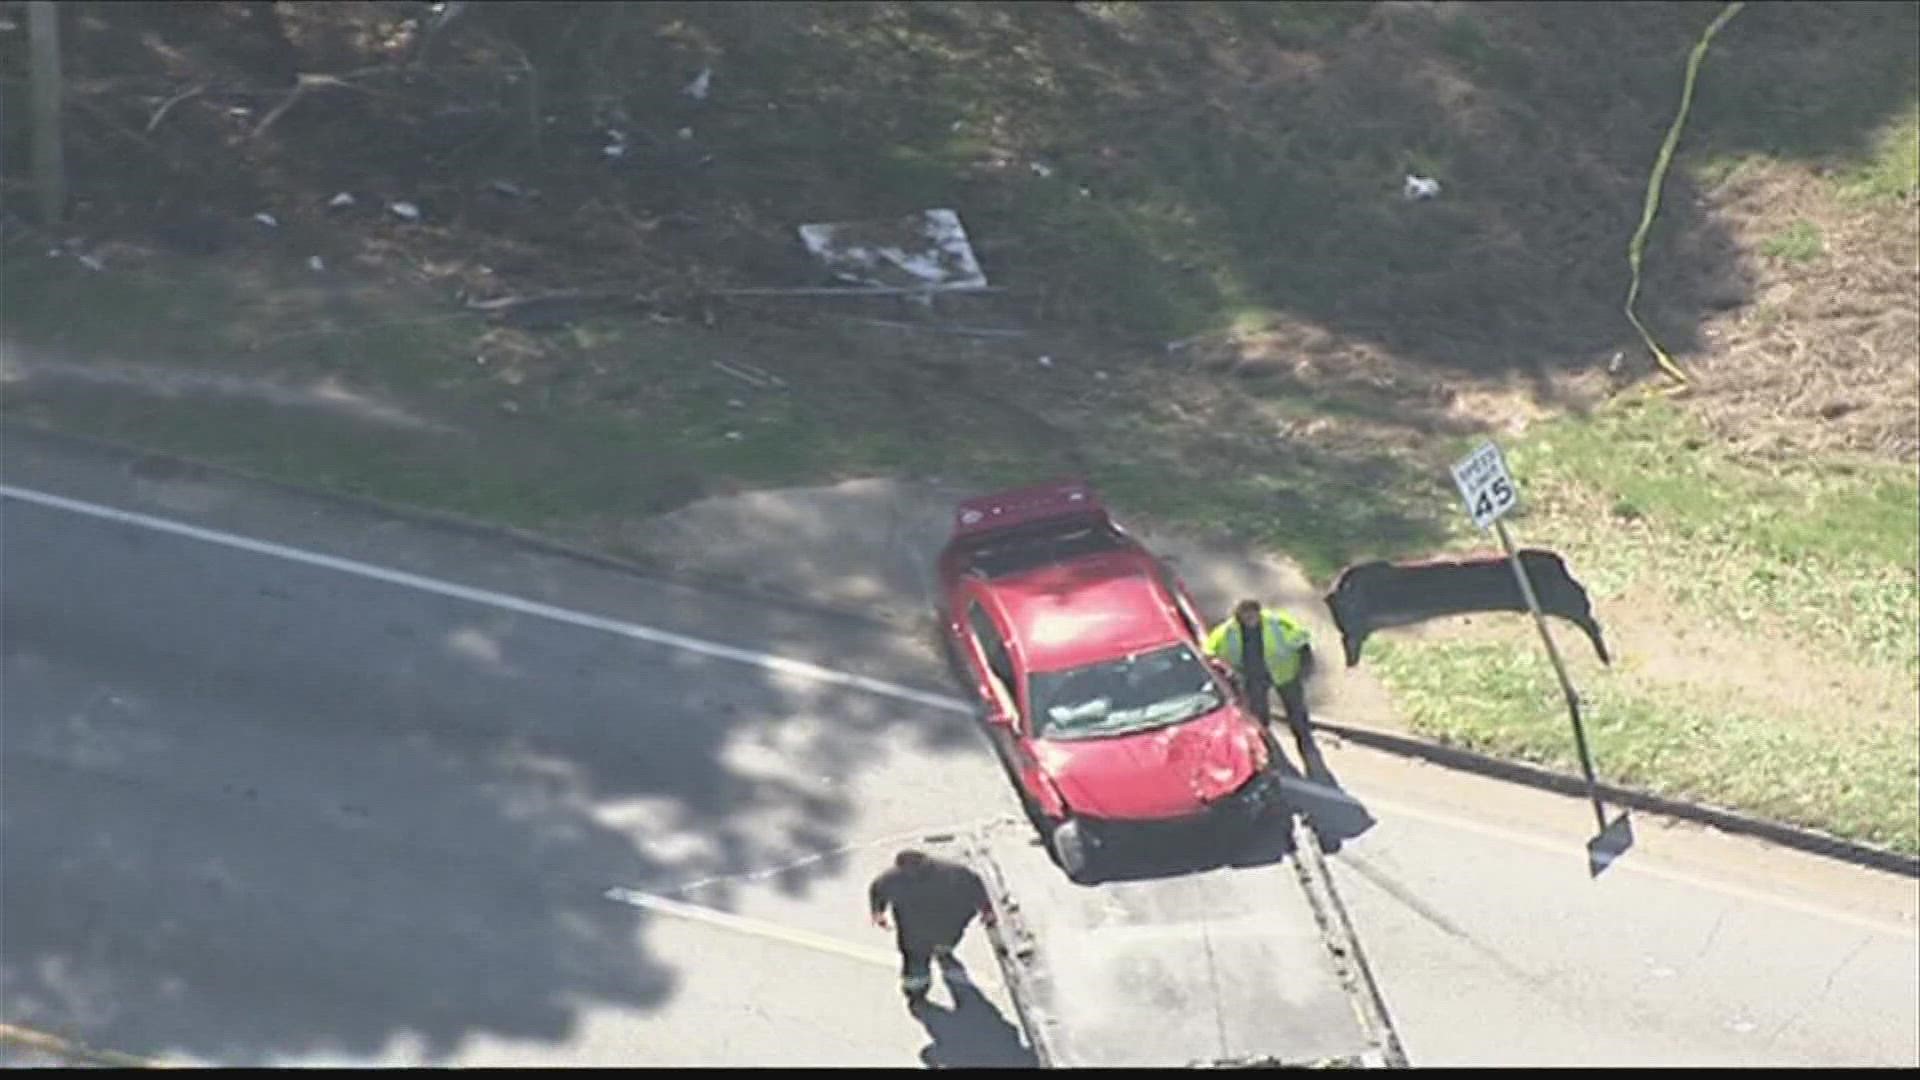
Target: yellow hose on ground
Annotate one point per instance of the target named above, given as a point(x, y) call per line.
point(1659, 175)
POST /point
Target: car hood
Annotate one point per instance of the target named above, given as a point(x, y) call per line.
point(1164, 772)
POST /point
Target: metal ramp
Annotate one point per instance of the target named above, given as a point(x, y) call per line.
point(1243, 965)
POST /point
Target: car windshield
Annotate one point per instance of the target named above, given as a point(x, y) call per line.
point(1150, 689)
point(1021, 552)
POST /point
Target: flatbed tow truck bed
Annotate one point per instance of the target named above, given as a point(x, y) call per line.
point(1233, 966)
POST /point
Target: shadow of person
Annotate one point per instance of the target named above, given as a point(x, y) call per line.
point(972, 1034)
point(1333, 814)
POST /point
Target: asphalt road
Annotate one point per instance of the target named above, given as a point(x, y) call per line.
point(258, 811)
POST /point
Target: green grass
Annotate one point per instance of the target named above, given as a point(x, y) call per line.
point(1892, 174)
point(1504, 700)
point(1822, 552)
point(1798, 243)
point(1826, 550)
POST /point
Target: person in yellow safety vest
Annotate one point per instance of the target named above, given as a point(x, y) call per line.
point(1281, 649)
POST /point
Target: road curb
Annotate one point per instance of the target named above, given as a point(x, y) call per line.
point(1797, 837)
point(451, 521)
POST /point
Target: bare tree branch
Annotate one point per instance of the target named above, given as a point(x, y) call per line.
point(161, 113)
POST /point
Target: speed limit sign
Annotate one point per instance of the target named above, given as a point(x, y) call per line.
point(1485, 485)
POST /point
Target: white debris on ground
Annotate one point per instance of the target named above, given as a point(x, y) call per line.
point(925, 250)
point(405, 210)
point(316, 264)
point(341, 201)
point(1420, 187)
point(267, 219)
point(697, 89)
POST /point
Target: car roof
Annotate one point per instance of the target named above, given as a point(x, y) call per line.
point(1087, 610)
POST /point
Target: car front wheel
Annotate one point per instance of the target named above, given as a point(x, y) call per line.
point(1072, 849)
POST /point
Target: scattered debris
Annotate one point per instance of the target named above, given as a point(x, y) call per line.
point(963, 331)
point(685, 133)
point(614, 150)
point(734, 436)
point(316, 264)
point(92, 263)
point(1046, 361)
point(928, 250)
point(555, 308)
point(405, 210)
point(1041, 169)
point(341, 201)
point(697, 89)
point(735, 403)
point(267, 219)
point(1419, 187)
point(750, 374)
point(508, 188)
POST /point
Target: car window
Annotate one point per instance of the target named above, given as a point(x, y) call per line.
point(1172, 585)
point(991, 645)
point(1046, 543)
point(1145, 690)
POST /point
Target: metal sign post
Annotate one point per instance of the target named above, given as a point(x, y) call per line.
point(1489, 492)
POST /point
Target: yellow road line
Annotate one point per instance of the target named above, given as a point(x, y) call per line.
point(74, 1051)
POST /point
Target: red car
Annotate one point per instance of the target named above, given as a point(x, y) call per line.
point(1085, 652)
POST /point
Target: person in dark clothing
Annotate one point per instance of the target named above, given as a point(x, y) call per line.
point(932, 902)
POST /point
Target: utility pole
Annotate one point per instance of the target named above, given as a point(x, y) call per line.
point(49, 159)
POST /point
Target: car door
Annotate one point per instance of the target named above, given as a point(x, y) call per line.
point(1002, 679)
point(991, 661)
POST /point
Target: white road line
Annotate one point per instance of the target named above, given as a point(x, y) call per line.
point(815, 673)
point(743, 925)
point(783, 665)
point(807, 860)
point(1629, 865)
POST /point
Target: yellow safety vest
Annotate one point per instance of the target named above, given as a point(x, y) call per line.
point(1281, 636)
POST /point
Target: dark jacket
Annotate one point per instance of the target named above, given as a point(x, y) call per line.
point(931, 902)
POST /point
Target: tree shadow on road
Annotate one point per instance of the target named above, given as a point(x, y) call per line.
point(274, 813)
point(972, 1034)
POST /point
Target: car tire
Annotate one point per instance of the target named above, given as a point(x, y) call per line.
point(1072, 849)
